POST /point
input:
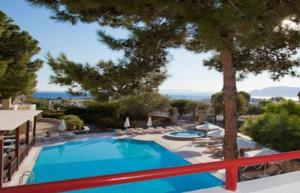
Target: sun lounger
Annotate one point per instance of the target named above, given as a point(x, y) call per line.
point(119, 132)
point(69, 135)
point(150, 130)
point(85, 130)
point(170, 128)
point(178, 128)
point(140, 131)
point(130, 131)
point(206, 141)
point(160, 130)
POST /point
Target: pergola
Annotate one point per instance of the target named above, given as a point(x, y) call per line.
point(13, 121)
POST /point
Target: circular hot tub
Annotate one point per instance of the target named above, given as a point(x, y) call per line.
point(184, 135)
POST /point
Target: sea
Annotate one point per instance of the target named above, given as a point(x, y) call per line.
point(57, 95)
point(65, 95)
point(196, 97)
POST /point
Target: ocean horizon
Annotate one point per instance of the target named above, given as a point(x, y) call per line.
point(65, 95)
point(57, 95)
point(51, 95)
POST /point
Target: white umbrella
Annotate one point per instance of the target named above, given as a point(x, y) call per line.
point(62, 126)
point(127, 123)
point(149, 122)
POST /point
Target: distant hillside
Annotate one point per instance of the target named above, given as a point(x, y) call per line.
point(283, 91)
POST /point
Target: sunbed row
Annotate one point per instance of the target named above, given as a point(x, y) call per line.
point(150, 130)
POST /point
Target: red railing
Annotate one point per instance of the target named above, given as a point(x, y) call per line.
point(231, 167)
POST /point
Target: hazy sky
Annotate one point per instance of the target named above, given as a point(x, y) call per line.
point(80, 43)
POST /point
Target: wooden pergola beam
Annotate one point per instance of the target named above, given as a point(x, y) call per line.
point(27, 136)
point(17, 149)
point(1, 160)
point(34, 128)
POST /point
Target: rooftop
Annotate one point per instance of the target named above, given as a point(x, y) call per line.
point(10, 119)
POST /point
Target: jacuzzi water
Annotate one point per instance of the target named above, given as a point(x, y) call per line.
point(94, 157)
point(185, 134)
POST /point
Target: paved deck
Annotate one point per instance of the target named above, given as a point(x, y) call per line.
point(289, 182)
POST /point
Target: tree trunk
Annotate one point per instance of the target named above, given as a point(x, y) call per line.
point(230, 104)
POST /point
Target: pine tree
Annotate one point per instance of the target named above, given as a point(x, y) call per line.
point(246, 36)
point(17, 68)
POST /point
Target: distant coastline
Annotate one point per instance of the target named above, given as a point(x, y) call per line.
point(64, 95)
point(189, 96)
point(57, 95)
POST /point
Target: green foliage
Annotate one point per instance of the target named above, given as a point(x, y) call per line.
point(264, 103)
point(41, 104)
point(53, 114)
point(217, 102)
point(195, 105)
point(188, 106)
point(73, 122)
point(251, 30)
point(278, 127)
point(140, 106)
point(142, 69)
point(103, 115)
point(277, 99)
point(180, 104)
point(113, 113)
point(246, 95)
point(249, 36)
point(17, 68)
point(254, 110)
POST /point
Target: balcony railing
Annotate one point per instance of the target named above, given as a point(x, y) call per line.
point(231, 167)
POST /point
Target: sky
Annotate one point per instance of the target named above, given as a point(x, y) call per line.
point(80, 43)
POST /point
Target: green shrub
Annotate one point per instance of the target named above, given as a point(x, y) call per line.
point(41, 104)
point(112, 114)
point(140, 106)
point(181, 105)
point(278, 127)
point(102, 115)
point(53, 114)
point(73, 122)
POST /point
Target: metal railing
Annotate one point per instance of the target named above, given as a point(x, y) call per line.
point(231, 167)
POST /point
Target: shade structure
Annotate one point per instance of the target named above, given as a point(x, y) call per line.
point(245, 143)
point(219, 133)
point(207, 127)
point(149, 122)
point(10, 119)
point(127, 123)
point(62, 126)
point(259, 152)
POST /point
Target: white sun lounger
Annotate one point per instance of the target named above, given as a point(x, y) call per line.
point(150, 130)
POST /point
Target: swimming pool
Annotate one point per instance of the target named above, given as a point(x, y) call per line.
point(94, 156)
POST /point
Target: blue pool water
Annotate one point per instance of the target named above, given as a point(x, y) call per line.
point(94, 157)
point(187, 134)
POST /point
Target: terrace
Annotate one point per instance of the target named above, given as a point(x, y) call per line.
point(18, 129)
point(226, 170)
